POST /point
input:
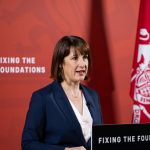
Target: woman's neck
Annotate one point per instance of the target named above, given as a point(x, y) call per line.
point(72, 89)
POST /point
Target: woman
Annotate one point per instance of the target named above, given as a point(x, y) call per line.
point(61, 115)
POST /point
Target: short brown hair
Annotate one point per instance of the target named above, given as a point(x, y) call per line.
point(62, 49)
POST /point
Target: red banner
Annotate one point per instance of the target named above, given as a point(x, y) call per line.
point(140, 78)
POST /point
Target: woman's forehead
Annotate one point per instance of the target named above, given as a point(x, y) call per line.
point(77, 51)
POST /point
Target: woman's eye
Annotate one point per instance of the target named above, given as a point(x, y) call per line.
point(75, 58)
point(85, 57)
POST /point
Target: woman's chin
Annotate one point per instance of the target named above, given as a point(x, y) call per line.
point(80, 79)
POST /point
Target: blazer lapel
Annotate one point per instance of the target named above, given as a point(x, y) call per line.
point(89, 102)
point(64, 105)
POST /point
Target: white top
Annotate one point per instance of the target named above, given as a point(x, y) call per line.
point(84, 119)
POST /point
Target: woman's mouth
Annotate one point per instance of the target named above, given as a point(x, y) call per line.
point(81, 72)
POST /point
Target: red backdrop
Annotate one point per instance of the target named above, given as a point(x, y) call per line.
point(29, 30)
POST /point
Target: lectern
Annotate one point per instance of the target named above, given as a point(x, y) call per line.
point(119, 136)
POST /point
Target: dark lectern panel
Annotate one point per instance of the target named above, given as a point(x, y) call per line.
point(120, 136)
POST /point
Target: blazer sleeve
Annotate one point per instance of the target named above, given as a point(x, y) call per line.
point(33, 131)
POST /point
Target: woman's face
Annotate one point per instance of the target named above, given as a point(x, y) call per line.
point(75, 67)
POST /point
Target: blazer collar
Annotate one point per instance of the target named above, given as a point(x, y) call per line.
point(89, 102)
point(64, 105)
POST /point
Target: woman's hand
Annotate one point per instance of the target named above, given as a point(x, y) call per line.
point(76, 148)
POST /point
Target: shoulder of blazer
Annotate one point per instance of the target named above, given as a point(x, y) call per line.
point(54, 88)
point(46, 89)
point(92, 92)
point(41, 95)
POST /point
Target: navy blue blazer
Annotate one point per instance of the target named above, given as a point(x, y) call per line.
point(51, 123)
